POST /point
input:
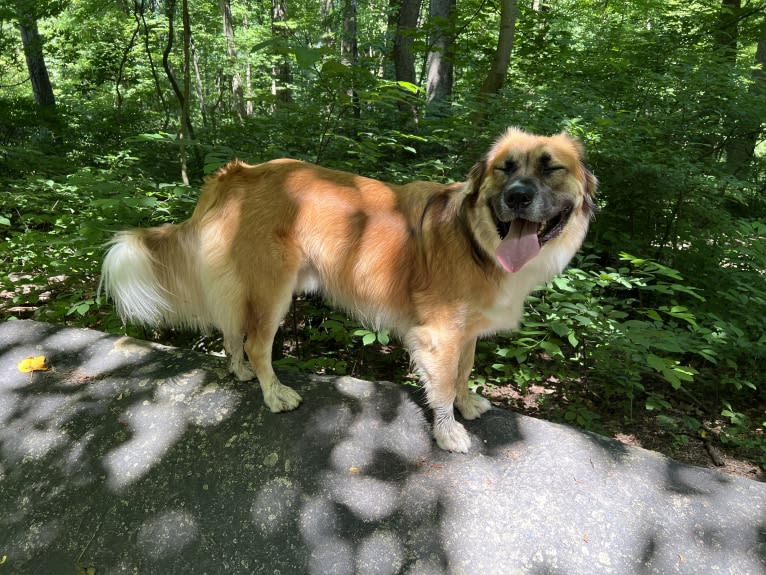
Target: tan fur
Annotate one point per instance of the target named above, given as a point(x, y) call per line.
point(416, 258)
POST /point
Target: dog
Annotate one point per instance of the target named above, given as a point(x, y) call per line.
point(438, 264)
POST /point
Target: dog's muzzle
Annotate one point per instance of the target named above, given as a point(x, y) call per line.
point(525, 222)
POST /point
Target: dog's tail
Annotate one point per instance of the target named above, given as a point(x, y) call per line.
point(153, 276)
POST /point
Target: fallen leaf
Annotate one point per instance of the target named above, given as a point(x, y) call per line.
point(33, 363)
point(354, 470)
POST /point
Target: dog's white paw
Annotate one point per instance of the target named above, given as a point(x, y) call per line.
point(473, 406)
point(452, 436)
point(279, 397)
point(242, 371)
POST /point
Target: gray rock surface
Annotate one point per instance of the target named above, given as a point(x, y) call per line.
point(127, 457)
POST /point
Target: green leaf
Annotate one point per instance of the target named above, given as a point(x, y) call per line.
point(4, 221)
point(368, 338)
point(412, 88)
point(652, 314)
point(656, 362)
point(551, 348)
point(560, 328)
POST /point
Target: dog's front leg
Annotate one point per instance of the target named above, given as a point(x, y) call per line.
point(471, 405)
point(436, 353)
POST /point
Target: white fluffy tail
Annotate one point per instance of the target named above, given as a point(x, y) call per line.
point(128, 277)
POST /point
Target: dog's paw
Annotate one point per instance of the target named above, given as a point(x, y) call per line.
point(473, 406)
point(452, 436)
point(242, 371)
point(279, 397)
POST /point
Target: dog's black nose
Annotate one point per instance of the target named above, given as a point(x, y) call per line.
point(519, 195)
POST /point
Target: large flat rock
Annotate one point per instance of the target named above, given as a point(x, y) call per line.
point(127, 457)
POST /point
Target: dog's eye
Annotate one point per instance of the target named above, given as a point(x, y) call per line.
point(508, 167)
point(548, 170)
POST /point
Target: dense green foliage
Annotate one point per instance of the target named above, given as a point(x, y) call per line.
point(666, 305)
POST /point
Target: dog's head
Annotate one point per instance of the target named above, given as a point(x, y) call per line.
point(530, 192)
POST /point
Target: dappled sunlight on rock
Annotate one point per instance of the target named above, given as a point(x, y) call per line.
point(167, 465)
point(274, 508)
point(332, 556)
point(33, 427)
point(155, 428)
point(368, 498)
point(318, 520)
point(167, 534)
point(380, 553)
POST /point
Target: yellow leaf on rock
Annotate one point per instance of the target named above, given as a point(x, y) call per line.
point(36, 363)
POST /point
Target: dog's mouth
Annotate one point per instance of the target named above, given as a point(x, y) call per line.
point(522, 239)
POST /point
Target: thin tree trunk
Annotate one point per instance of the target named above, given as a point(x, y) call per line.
point(121, 69)
point(33, 52)
point(185, 120)
point(726, 33)
point(231, 52)
point(138, 13)
point(248, 81)
point(499, 69)
point(199, 86)
point(185, 105)
point(403, 23)
point(280, 73)
point(349, 50)
point(440, 63)
point(325, 15)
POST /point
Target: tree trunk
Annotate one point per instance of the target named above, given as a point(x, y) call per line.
point(440, 63)
point(248, 80)
point(740, 147)
point(325, 15)
point(403, 24)
point(406, 22)
point(499, 69)
point(186, 133)
point(138, 14)
point(198, 84)
point(726, 33)
point(280, 72)
point(349, 50)
point(33, 52)
point(121, 69)
point(185, 119)
point(231, 52)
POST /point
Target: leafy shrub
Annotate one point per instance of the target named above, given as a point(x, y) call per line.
point(634, 334)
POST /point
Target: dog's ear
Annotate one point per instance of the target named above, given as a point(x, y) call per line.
point(590, 185)
point(591, 182)
point(476, 177)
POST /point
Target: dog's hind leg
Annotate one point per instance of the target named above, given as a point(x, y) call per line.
point(471, 405)
point(264, 317)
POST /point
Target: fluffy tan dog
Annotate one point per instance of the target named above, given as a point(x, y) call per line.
point(438, 264)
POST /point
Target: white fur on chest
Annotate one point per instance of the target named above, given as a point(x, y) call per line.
point(506, 311)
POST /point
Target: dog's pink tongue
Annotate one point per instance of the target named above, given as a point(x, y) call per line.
point(519, 246)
